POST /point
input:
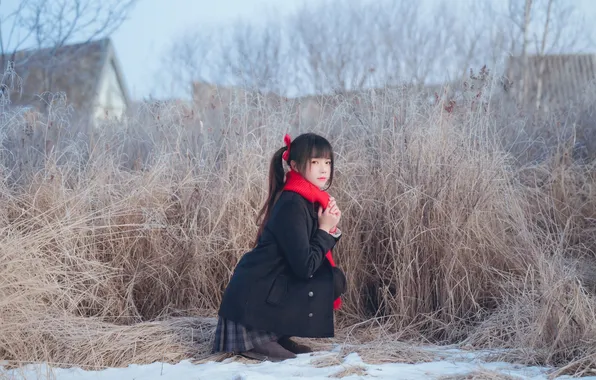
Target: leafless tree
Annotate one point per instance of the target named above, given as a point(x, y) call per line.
point(243, 55)
point(539, 28)
point(12, 22)
point(541, 52)
point(52, 24)
point(423, 42)
point(347, 45)
point(195, 56)
point(256, 56)
point(45, 27)
point(334, 45)
point(478, 38)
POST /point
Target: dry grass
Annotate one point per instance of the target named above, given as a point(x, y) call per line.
point(327, 360)
point(373, 349)
point(480, 375)
point(109, 236)
point(349, 371)
point(91, 344)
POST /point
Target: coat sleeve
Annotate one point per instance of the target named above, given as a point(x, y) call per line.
point(336, 235)
point(289, 227)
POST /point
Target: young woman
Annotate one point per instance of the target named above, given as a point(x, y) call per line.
point(288, 285)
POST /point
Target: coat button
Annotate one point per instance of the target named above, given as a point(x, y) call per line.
point(310, 294)
point(310, 315)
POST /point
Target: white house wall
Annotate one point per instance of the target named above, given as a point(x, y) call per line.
point(110, 101)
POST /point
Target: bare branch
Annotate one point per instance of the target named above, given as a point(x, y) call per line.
point(60, 21)
point(50, 25)
point(193, 57)
point(253, 56)
point(14, 19)
point(336, 44)
point(541, 54)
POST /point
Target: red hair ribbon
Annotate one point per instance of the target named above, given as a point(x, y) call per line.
point(288, 141)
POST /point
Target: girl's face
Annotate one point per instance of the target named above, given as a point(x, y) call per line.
point(318, 171)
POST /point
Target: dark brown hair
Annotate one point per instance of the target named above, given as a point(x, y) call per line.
point(302, 149)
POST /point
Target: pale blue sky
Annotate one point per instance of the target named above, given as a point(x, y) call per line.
point(143, 39)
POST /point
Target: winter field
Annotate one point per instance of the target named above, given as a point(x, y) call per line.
point(469, 236)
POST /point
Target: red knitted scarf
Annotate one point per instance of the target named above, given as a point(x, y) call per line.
point(298, 184)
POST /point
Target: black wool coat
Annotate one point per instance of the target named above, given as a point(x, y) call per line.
point(285, 284)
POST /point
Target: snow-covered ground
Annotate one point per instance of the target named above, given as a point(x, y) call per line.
point(317, 366)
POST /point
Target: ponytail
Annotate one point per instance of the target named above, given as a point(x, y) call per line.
point(276, 183)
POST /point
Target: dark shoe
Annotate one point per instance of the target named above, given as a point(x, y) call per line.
point(252, 354)
point(294, 347)
point(271, 351)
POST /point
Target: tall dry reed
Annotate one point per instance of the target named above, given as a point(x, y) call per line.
point(109, 236)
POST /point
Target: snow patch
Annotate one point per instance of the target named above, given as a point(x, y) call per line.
point(352, 367)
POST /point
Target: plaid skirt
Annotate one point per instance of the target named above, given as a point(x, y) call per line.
point(234, 337)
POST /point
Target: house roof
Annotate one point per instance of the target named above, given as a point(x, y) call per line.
point(74, 69)
point(563, 76)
